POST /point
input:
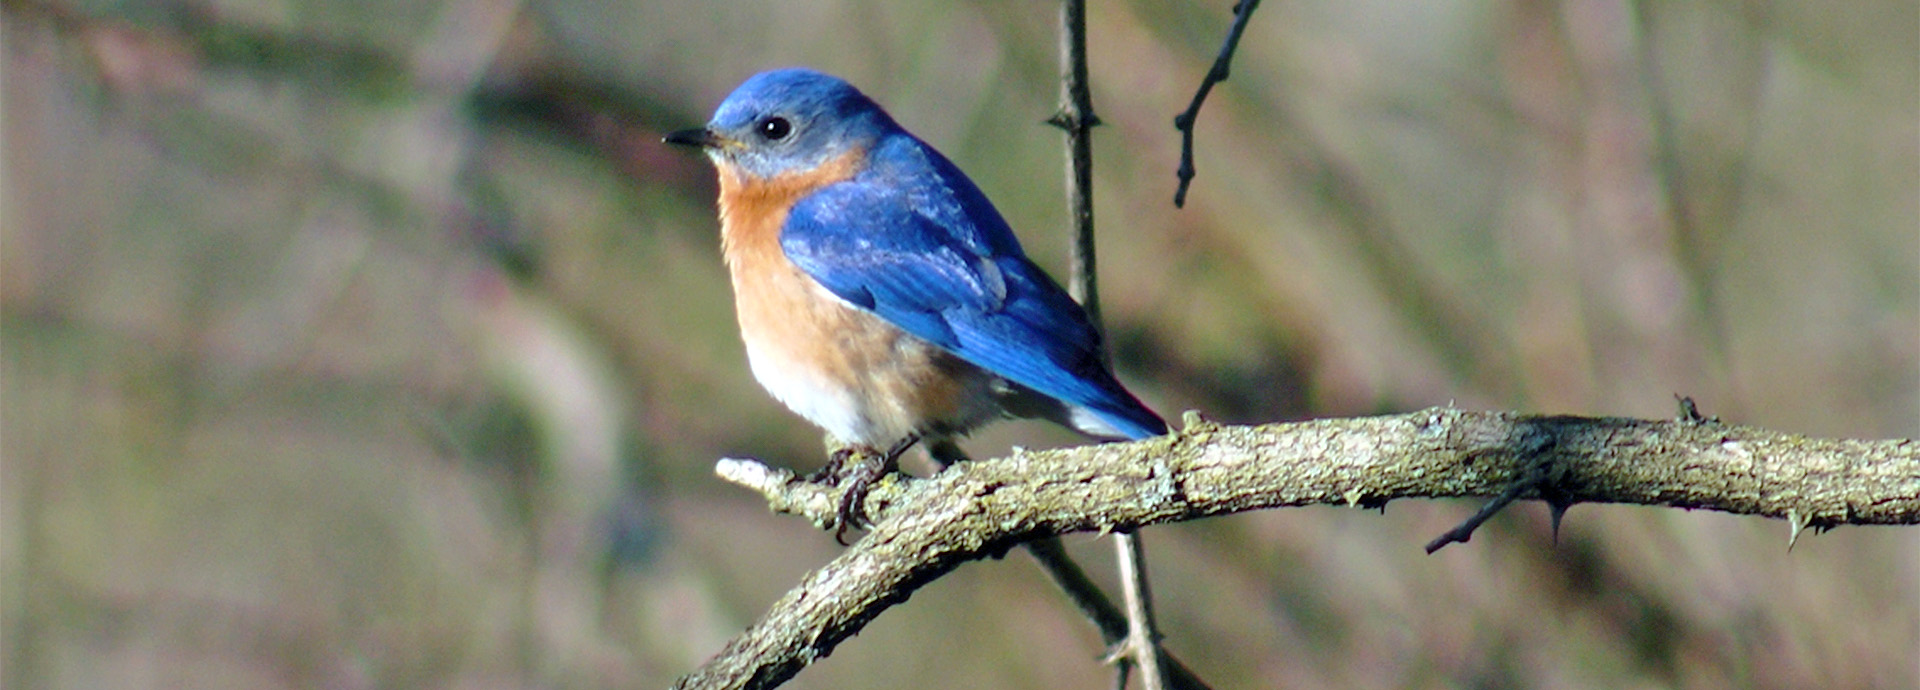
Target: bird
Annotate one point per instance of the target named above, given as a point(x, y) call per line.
point(879, 293)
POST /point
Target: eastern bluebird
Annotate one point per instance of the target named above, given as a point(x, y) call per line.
point(880, 295)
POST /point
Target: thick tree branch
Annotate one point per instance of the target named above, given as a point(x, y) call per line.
point(926, 527)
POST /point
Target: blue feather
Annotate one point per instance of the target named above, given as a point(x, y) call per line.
point(911, 239)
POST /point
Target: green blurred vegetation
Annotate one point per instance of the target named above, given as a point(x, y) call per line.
point(380, 345)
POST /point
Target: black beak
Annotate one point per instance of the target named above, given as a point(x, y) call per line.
point(692, 137)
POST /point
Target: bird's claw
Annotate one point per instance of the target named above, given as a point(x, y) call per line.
point(855, 478)
point(831, 473)
point(853, 498)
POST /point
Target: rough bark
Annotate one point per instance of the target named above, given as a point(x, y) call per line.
point(926, 527)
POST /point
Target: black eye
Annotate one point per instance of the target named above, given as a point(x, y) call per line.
point(775, 128)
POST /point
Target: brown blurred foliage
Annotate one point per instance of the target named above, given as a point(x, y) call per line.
point(379, 344)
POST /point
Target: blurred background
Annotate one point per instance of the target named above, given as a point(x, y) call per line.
point(381, 345)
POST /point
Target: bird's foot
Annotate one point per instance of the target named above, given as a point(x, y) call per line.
point(852, 511)
point(831, 473)
point(854, 470)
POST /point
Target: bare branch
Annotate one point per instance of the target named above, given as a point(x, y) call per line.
point(1076, 118)
point(1142, 644)
point(926, 527)
point(1143, 634)
point(1112, 622)
point(1242, 11)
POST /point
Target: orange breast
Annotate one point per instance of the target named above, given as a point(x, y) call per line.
point(843, 368)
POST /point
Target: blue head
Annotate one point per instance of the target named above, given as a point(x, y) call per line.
point(788, 120)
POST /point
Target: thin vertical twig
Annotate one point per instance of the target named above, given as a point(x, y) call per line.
point(1077, 119)
point(1142, 644)
point(1051, 556)
point(1110, 619)
point(1242, 11)
point(1143, 636)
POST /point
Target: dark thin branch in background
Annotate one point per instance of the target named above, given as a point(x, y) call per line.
point(1242, 11)
point(1463, 532)
point(1094, 603)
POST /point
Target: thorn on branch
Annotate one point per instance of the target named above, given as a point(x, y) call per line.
point(1557, 509)
point(1242, 11)
point(1074, 123)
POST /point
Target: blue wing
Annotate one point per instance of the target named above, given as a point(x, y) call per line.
point(914, 241)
